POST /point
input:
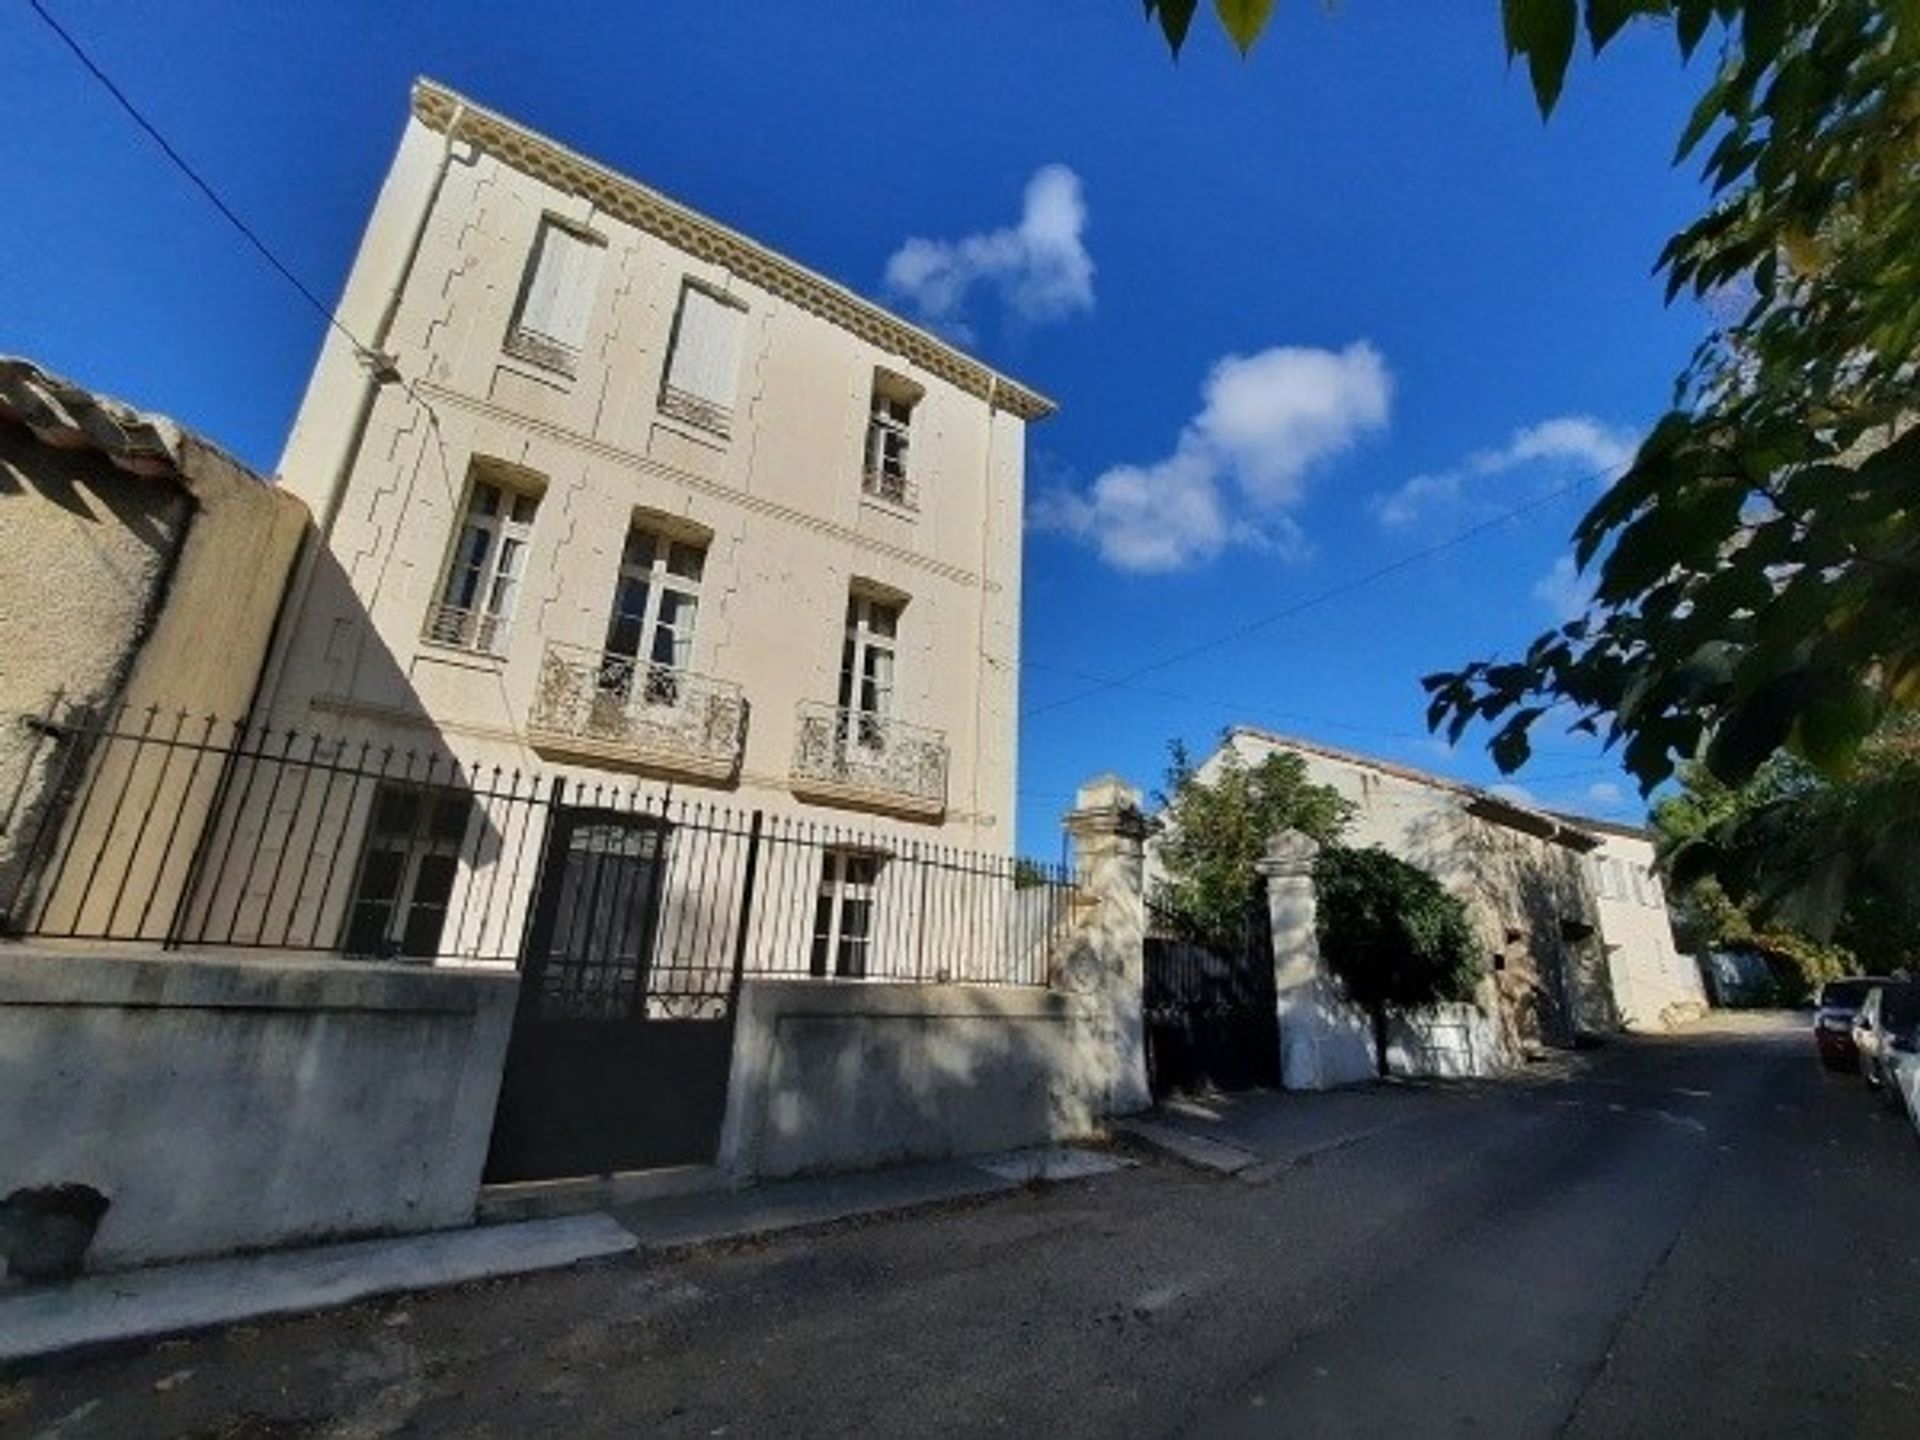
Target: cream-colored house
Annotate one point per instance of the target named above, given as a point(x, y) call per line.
point(1654, 986)
point(1521, 871)
point(618, 492)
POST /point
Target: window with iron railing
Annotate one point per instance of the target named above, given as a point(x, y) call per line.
point(655, 603)
point(484, 571)
point(703, 360)
point(556, 297)
point(885, 473)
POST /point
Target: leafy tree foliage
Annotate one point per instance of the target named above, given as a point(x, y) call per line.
point(1758, 566)
point(1824, 873)
point(1397, 940)
point(1215, 833)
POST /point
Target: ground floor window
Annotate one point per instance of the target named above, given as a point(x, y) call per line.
point(843, 913)
point(407, 871)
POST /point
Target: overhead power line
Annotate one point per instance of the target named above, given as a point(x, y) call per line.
point(186, 168)
point(1324, 597)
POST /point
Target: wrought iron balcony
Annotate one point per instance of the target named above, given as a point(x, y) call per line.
point(853, 757)
point(892, 487)
point(614, 710)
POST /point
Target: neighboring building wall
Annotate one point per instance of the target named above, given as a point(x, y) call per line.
point(1654, 985)
point(1525, 892)
point(778, 502)
point(224, 1104)
point(141, 570)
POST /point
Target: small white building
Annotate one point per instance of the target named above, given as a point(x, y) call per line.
point(1655, 987)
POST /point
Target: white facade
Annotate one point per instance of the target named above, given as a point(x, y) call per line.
point(612, 502)
point(1654, 986)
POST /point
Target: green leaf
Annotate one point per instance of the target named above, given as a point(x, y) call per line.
point(1693, 17)
point(1836, 719)
point(1244, 19)
point(1176, 17)
point(1606, 18)
point(1543, 31)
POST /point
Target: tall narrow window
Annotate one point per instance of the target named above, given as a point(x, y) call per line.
point(889, 425)
point(703, 365)
point(556, 297)
point(650, 632)
point(412, 856)
point(483, 574)
point(843, 913)
point(866, 667)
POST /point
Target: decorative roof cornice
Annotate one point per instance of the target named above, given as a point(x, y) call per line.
point(647, 209)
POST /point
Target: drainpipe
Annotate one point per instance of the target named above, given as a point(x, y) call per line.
point(380, 370)
point(380, 366)
point(980, 633)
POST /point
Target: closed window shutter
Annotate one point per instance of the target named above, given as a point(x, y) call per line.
point(706, 349)
point(560, 295)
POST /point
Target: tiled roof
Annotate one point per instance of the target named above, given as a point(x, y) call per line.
point(67, 416)
point(1564, 830)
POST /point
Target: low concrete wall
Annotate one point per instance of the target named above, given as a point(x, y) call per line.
point(226, 1103)
point(1326, 1042)
point(1451, 1042)
point(830, 1075)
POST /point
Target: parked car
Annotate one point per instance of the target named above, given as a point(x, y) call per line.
point(1886, 1023)
point(1839, 1002)
point(1906, 1078)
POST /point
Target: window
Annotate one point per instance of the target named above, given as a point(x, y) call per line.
point(406, 875)
point(889, 420)
point(843, 913)
point(556, 297)
point(866, 667)
point(703, 362)
point(483, 574)
point(654, 607)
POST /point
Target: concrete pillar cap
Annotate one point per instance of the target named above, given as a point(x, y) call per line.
point(1289, 853)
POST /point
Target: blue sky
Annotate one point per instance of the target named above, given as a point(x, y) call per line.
point(1307, 314)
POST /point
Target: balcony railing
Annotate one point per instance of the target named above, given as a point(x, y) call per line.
point(894, 489)
point(696, 410)
point(858, 758)
point(613, 709)
point(466, 629)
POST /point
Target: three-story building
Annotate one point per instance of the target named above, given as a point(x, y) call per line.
point(612, 490)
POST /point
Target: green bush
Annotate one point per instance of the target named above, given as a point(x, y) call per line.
point(1398, 941)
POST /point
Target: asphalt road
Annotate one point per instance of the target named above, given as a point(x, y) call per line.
point(1706, 1233)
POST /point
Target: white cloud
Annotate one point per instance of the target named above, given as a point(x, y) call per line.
point(1565, 440)
point(1605, 794)
point(1039, 267)
point(1265, 421)
point(1514, 794)
point(1564, 590)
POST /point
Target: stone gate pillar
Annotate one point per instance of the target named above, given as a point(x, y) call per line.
point(1323, 1040)
point(1102, 969)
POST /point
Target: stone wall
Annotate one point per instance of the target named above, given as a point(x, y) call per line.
point(224, 1103)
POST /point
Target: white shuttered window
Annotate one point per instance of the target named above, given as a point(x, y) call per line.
point(703, 370)
point(556, 302)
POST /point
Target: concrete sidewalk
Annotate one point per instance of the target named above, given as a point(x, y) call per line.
point(132, 1306)
point(1256, 1134)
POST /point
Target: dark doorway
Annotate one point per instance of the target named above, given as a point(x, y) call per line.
point(616, 1063)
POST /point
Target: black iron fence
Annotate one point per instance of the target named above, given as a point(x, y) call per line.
point(189, 831)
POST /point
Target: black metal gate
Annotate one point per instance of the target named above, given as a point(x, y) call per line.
point(1209, 1009)
point(624, 1035)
